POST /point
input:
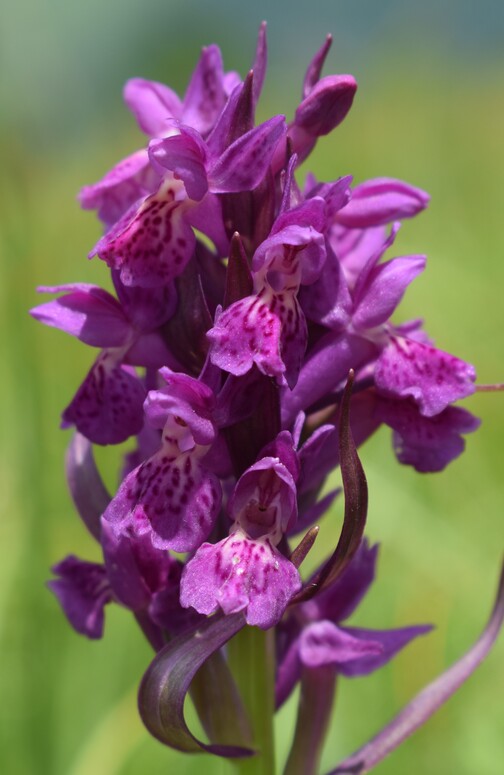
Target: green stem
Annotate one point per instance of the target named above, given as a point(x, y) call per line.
point(252, 661)
point(314, 713)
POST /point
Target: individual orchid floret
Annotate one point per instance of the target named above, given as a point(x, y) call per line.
point(269, 327)
point(83, 590)
point(203, 167)
point(134, 574)
point(155, 107)
point(245, 571)
point(107, 407)
point(264, 499)
point(315, 636)
point(172, 496)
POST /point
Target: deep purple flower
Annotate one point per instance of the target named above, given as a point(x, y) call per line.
point(313, 635)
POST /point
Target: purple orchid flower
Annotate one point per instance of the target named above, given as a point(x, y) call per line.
point(172, 496)
point(268, 328)
point(248, 352)
point(312, 635)
point(245, 571)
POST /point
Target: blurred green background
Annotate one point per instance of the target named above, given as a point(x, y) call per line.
point(430, 110)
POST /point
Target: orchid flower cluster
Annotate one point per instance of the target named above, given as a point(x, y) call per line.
point(247, 351)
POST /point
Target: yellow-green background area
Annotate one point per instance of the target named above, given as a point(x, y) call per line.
point(67, 705)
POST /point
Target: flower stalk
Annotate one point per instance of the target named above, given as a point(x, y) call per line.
point(251, 655)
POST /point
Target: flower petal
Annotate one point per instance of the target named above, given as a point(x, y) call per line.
point(391, 642)
point(431, 377)
point(152, 104)
point(244, 164)
point(323, 643)
point(152, 243)
point(239, 574)
point(176, 501)
point(87, 312)
point(82, 590)
point(382, 200)
point(108, 406)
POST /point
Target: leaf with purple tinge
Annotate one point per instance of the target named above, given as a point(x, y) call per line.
point(166, 683)
point(88, 492)
point(356, 501)
point(427, 702)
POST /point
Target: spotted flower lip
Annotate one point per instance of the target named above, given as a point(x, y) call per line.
point(240, 574)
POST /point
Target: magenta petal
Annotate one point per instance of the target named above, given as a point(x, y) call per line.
point(382, 200)
point(205, 96)
point(260, 62)
point(244, 164)
point(390, 641)
point(186, 398)
point(426, 443)
point(88, 492)
point(328, 300)
point(87, 312)
point(247, 332)
point(130, 180)
point(431, 377)
point(152, 243)
point(326, 104)
point(384, 289)
point(176, 501)
point(264, 498)
point(239, 574)
point(152, 104)
point(82, 590)
point(184, 155)
point(134, 568)
point(323, 643)
point(108, 406)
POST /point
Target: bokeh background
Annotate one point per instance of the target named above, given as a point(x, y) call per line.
point(429, 110)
